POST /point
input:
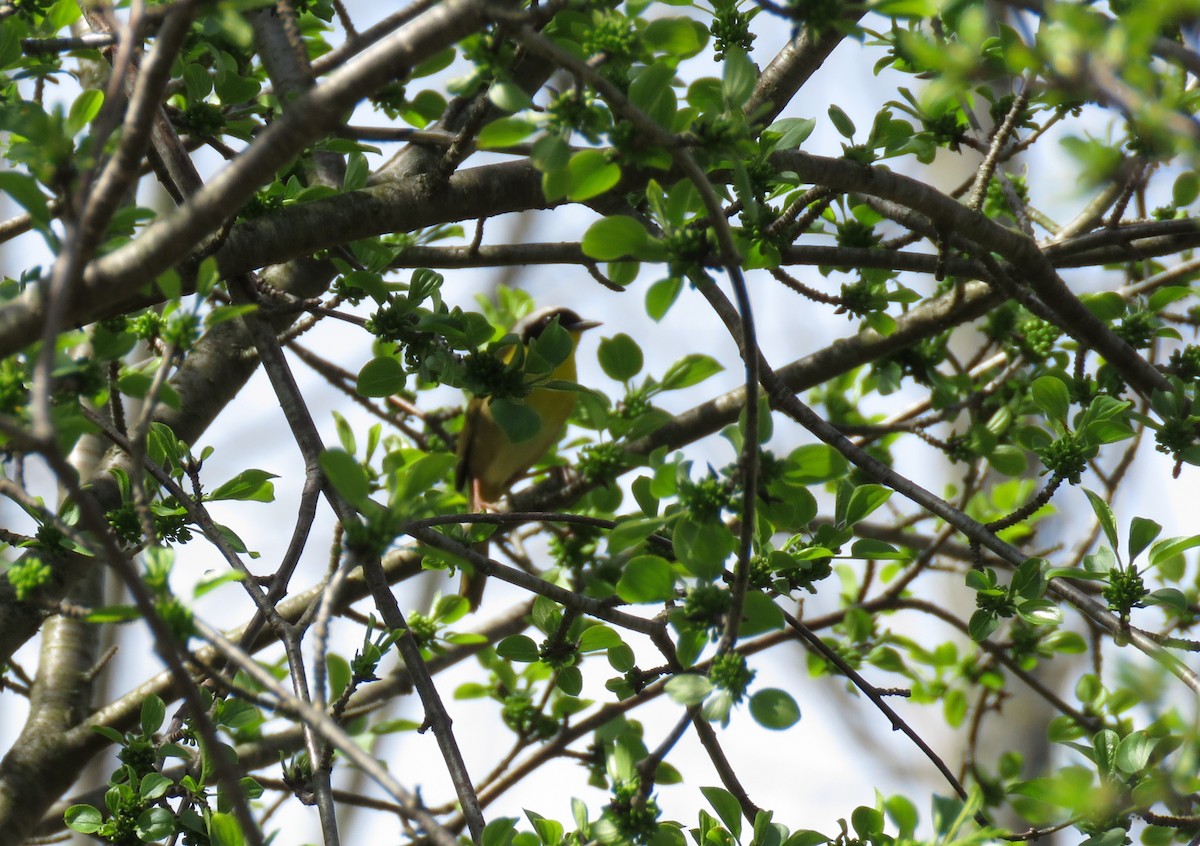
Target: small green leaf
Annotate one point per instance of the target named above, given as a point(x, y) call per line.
point(661, 296)
point(155, 824)
point(1134, 752)
point(1186, 189)
point(339, 673)
point(813, 463)
point(591, 174)
point(508, 96)
point(114, 614)
point(1142, 533)
point(519, 648)
point(519, 422)
point(688, 689)
point(1050, 394)
point(727, 808)
point(569, 680)
point(247, 486)
point(651, 92)
point(647, 578)
point(595, 638)
point(154, 785)
point(1040, 612)
point(792, 132)
point(738, 78)
point(690, 370)
point(1164, 550)
point(380, 377)
point(505, 132)
point(613, 238)
point(682, 37)
point(863, 501)
point(867, 823)
point(774, 709)
point(86, 106)
point(620, 357)
point(154, 711)
point(499, 832)
point(224, 830)
point(1104, 514)
point(83, 818)
point(24, 189)
point(346, 475)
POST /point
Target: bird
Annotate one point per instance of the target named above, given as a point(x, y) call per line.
point(488, 461)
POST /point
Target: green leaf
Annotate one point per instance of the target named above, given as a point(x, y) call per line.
point(807, 837)
point(83, 818)
point(569, 680)
point(703, 547)
point(1040, 612)
point(813, 463)
point(1133, 755)
point(591, 174)
point(774, 709)
point(339, 673)
point(505, 132)
point(519, 422)
point(518, 648)
point(114, 614)
point(647, 578)
point(867, 823)
point(727, 808)
point(599, 637)
point(1172, 598)
point(1164, 550)
point(1050, 394)
point(903, 813)
point(981, 625)
point(620, 357)
point(154, 711)
point(613, 238)
point(1104, 514)
point(760, 615)
point(682, 37)
point(738, 78)
point(792, 132)
point(154, 785)
point(84, 109)
point(380, 377)
point(508, 96)
point(1186, 189)
point(357, 172)
point(688, 689)
point(1142, 533)
point(690, 370)
point(499, 832)
point(863, 500)
point(247, 486)
point(661, 296)
point(155, 824)
point(550, 832)
point(651, 92)
point(905, 8)
point(224, 830)
point(346, 475)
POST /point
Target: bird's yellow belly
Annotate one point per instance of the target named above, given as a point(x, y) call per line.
point(495, 469)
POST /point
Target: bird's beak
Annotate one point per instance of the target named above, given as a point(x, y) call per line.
point(584, 325)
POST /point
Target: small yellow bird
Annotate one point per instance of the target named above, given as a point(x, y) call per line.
point(487, 458)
